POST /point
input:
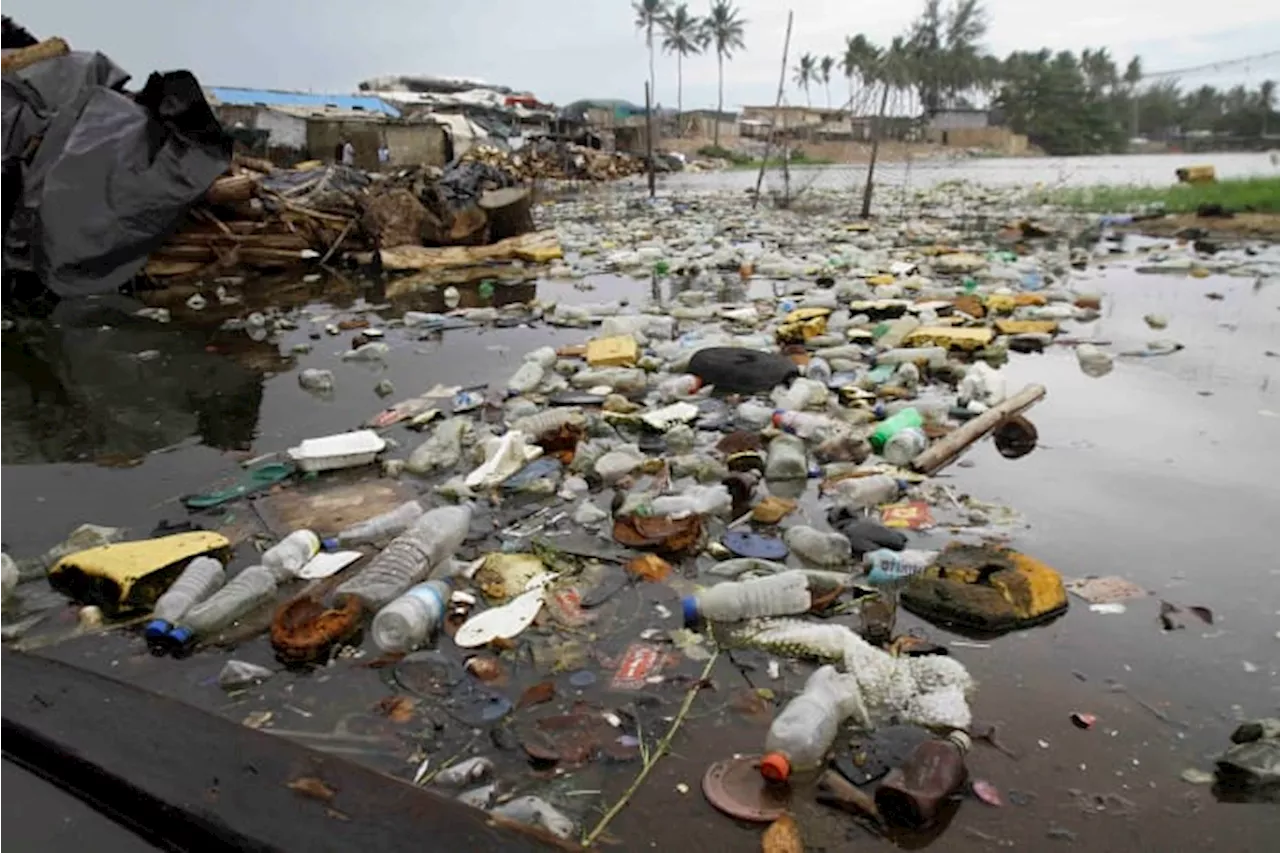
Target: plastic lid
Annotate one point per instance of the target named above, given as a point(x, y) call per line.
point(156, 630)
point(689, 605)
point(331, 544)
point(181, 636)
point(960, 739)
point(775, 767)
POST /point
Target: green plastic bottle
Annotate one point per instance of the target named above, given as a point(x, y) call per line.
point(902, 420)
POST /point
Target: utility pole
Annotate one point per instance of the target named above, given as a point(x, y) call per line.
point(648, 135)
point(782, 85)
point(875, 152)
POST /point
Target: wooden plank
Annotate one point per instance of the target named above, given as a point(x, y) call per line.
point(187, 780)
point(949, 448)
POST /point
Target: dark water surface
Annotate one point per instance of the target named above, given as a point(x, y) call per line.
point(1166, 472)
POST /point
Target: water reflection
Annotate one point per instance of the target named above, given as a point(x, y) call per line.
point(92, 382)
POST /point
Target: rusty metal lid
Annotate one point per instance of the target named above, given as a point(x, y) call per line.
point(735, 787)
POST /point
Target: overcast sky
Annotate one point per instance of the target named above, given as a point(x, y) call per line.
point(562, 50)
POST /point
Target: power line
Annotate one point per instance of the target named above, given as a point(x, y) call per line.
point(1213, 66)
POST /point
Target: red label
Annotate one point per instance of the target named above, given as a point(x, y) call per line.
point(640, 661)
point(913, 516)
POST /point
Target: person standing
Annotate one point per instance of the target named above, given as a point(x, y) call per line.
point(384, 154)
point(348, 153)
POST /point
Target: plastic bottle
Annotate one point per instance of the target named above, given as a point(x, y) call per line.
point(824, 549)
point(528, 377)
point(410, 557)
point(934, 357)
point(11, 575)
point(982, 384)
point(884, 566)
point(244, 593)
point(200, 579)
point(1093, 361)
point(291, 553)
point(806, 424)
point(624, 379)
point(754, 416)
point(696, 500)
point(905, 445)
point(410, 620)
point(862, 492)
point(802, 734)
point(787, 459)
point(776, 595)
point(551, 420)
point(313, 379)
point(618, 463)
point(890, 335)
point(442, 450)
point(819, 371)
point(911, 793)
point(545, 356)
point(381, 527)
point(803, 394)
point(679, 387)
point(904, 419)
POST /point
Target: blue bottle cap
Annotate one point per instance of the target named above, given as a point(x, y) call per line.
point(181, 636)
point(330, 545)
point(156, 630)
point(689, 605)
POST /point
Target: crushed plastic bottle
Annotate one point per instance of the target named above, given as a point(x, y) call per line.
point(754, 416)
point(803, 394)
point(777, 595)
point(372, 351)
point(1093, 361)
point(787, 459)
point(550, 420)
point(905, 419)
point(884, 566)
point(616, 464)
point(679, 387)
point(246, 592)
point(904, 445)
point(410, 557)
point(469, 771)
point(807, 424)
point(287, 557)
point(526, 378)
point(932, 357)
point(409, 621)
point(819, 371)
point(823, 549)
point(802, 734)
point(442, 450)
point(314, 379)
point(696, 500)
point(891, 334)
point(536, 811)
point(200, 579)
point(854, 493)
point(379, 528)
point(982, 385)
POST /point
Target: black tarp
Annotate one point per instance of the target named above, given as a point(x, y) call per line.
point(95, 179)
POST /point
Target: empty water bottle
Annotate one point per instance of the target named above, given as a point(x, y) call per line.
point(696, 500)
point(679, 387)
point(884, 566)
point(1093, 361)
point(856, 493)
point(754, 416)
point(200, 579)
point(905, 445)
point(904, 419)
point(550, 420)
point(819, 371)
point(823, 549)
point(623, 379)
point(410, 620)
point(528, 377)
point(803, 394)
point(777, 595)
point(243, 594)
point(802, 734)
point(807, 424)
point(933, 357)
point(379, 528)
point(287, 557)
point(410, 557)
point(314, 379)
point(787, 459)
point(442, 450)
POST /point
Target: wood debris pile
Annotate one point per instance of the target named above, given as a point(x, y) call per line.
point(549, 160)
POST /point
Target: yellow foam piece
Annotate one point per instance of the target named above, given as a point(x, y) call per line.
point(131, 575)
point(616, 351)
point(951, 337)
point(1027, 327)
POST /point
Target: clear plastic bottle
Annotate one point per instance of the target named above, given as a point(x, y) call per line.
point(905, 445)
point(442, 450)
point(823, 549)
point(819, 371)
point(409, 621)
point(1093, 361)
point(777, 595)
point(894, 332)
point(754, 416)
point(290, 554)
point(545, 356)
point(379, 528)
point(931, 356)
point(856, 493)
point(624, 379)
point(679, 387)
point(787, 459)
point(410, 557)
point(884, 566)
point(806, 424)
point(243, 594)
point(802, 734)
point(696, 500)
point(528, 377)
point(314, 379)
point(200, 579)
point(551, 420)
point(803, 394)
point(886, 429)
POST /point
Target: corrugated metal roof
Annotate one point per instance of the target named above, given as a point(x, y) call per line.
point(278, 98)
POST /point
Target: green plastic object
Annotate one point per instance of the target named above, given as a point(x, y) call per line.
point(970, 285)
point(905, 419)
point(486, 289)
point(263, 477)
point(661, 268)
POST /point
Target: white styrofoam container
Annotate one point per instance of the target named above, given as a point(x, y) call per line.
point(345, 450)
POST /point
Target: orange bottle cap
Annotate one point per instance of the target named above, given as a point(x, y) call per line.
point(775, 767)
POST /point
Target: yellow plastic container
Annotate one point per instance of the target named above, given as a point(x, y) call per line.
point(880, 280)
point(1027, 327)
point(1203, 174)
point(617, 351)
point(951, 337)
point(130, 576)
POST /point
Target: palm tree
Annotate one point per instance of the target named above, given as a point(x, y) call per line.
point(683, 35)
point(650, 14)
point(825, 66)
point(723, 28)
point(806, 72)
point(860, 56)
point(1267, 100)
point(1132, 77)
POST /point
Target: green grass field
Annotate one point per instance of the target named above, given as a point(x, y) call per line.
point(1261, 195)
